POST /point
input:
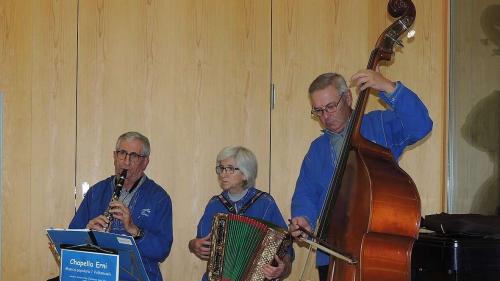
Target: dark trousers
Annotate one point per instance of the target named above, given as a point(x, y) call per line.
point(323, 272)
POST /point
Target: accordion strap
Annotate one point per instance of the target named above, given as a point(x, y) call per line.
point(230, 206)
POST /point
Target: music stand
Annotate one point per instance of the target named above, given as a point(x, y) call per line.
point(130, 265)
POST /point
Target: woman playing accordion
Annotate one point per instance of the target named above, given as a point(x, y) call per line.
point(236, 169)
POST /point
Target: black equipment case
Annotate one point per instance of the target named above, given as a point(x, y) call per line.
point(437, 257)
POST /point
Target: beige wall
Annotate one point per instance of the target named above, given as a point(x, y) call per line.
point(194, 77)
point(37, 77)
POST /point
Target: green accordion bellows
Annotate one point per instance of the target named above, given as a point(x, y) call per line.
point(241, 246)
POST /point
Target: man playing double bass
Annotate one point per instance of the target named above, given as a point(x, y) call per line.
point(404, 123)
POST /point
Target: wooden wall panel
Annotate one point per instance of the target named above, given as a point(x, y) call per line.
point(37, 62)
point(193, 76)
point(16, 184)
point(323, 36)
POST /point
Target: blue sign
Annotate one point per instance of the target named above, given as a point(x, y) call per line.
point(88, 266)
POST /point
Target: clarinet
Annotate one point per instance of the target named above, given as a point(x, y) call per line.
point(116, 196)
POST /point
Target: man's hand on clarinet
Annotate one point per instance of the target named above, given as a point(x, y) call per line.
point(98, 223)
point(122, 212)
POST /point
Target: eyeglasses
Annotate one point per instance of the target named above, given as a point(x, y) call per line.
point(132, 156)
point(229, 169)
point(329, 108)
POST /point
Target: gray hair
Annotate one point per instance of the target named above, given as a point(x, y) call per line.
point(129, 136)
point(245, 161)
point(326, 79)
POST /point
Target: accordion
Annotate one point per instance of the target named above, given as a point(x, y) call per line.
point(241, 246)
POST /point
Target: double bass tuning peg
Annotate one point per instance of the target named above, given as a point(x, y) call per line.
point(395, 40)
point(411, 34)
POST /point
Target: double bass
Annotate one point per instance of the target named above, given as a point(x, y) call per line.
point(372, 210)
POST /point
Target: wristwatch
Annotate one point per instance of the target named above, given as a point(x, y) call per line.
point(139, 234)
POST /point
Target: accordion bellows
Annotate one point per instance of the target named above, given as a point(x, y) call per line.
point(241, 246)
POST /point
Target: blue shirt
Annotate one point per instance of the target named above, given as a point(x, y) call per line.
point(151, 210)
point(264, 208)
point(404, 123)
